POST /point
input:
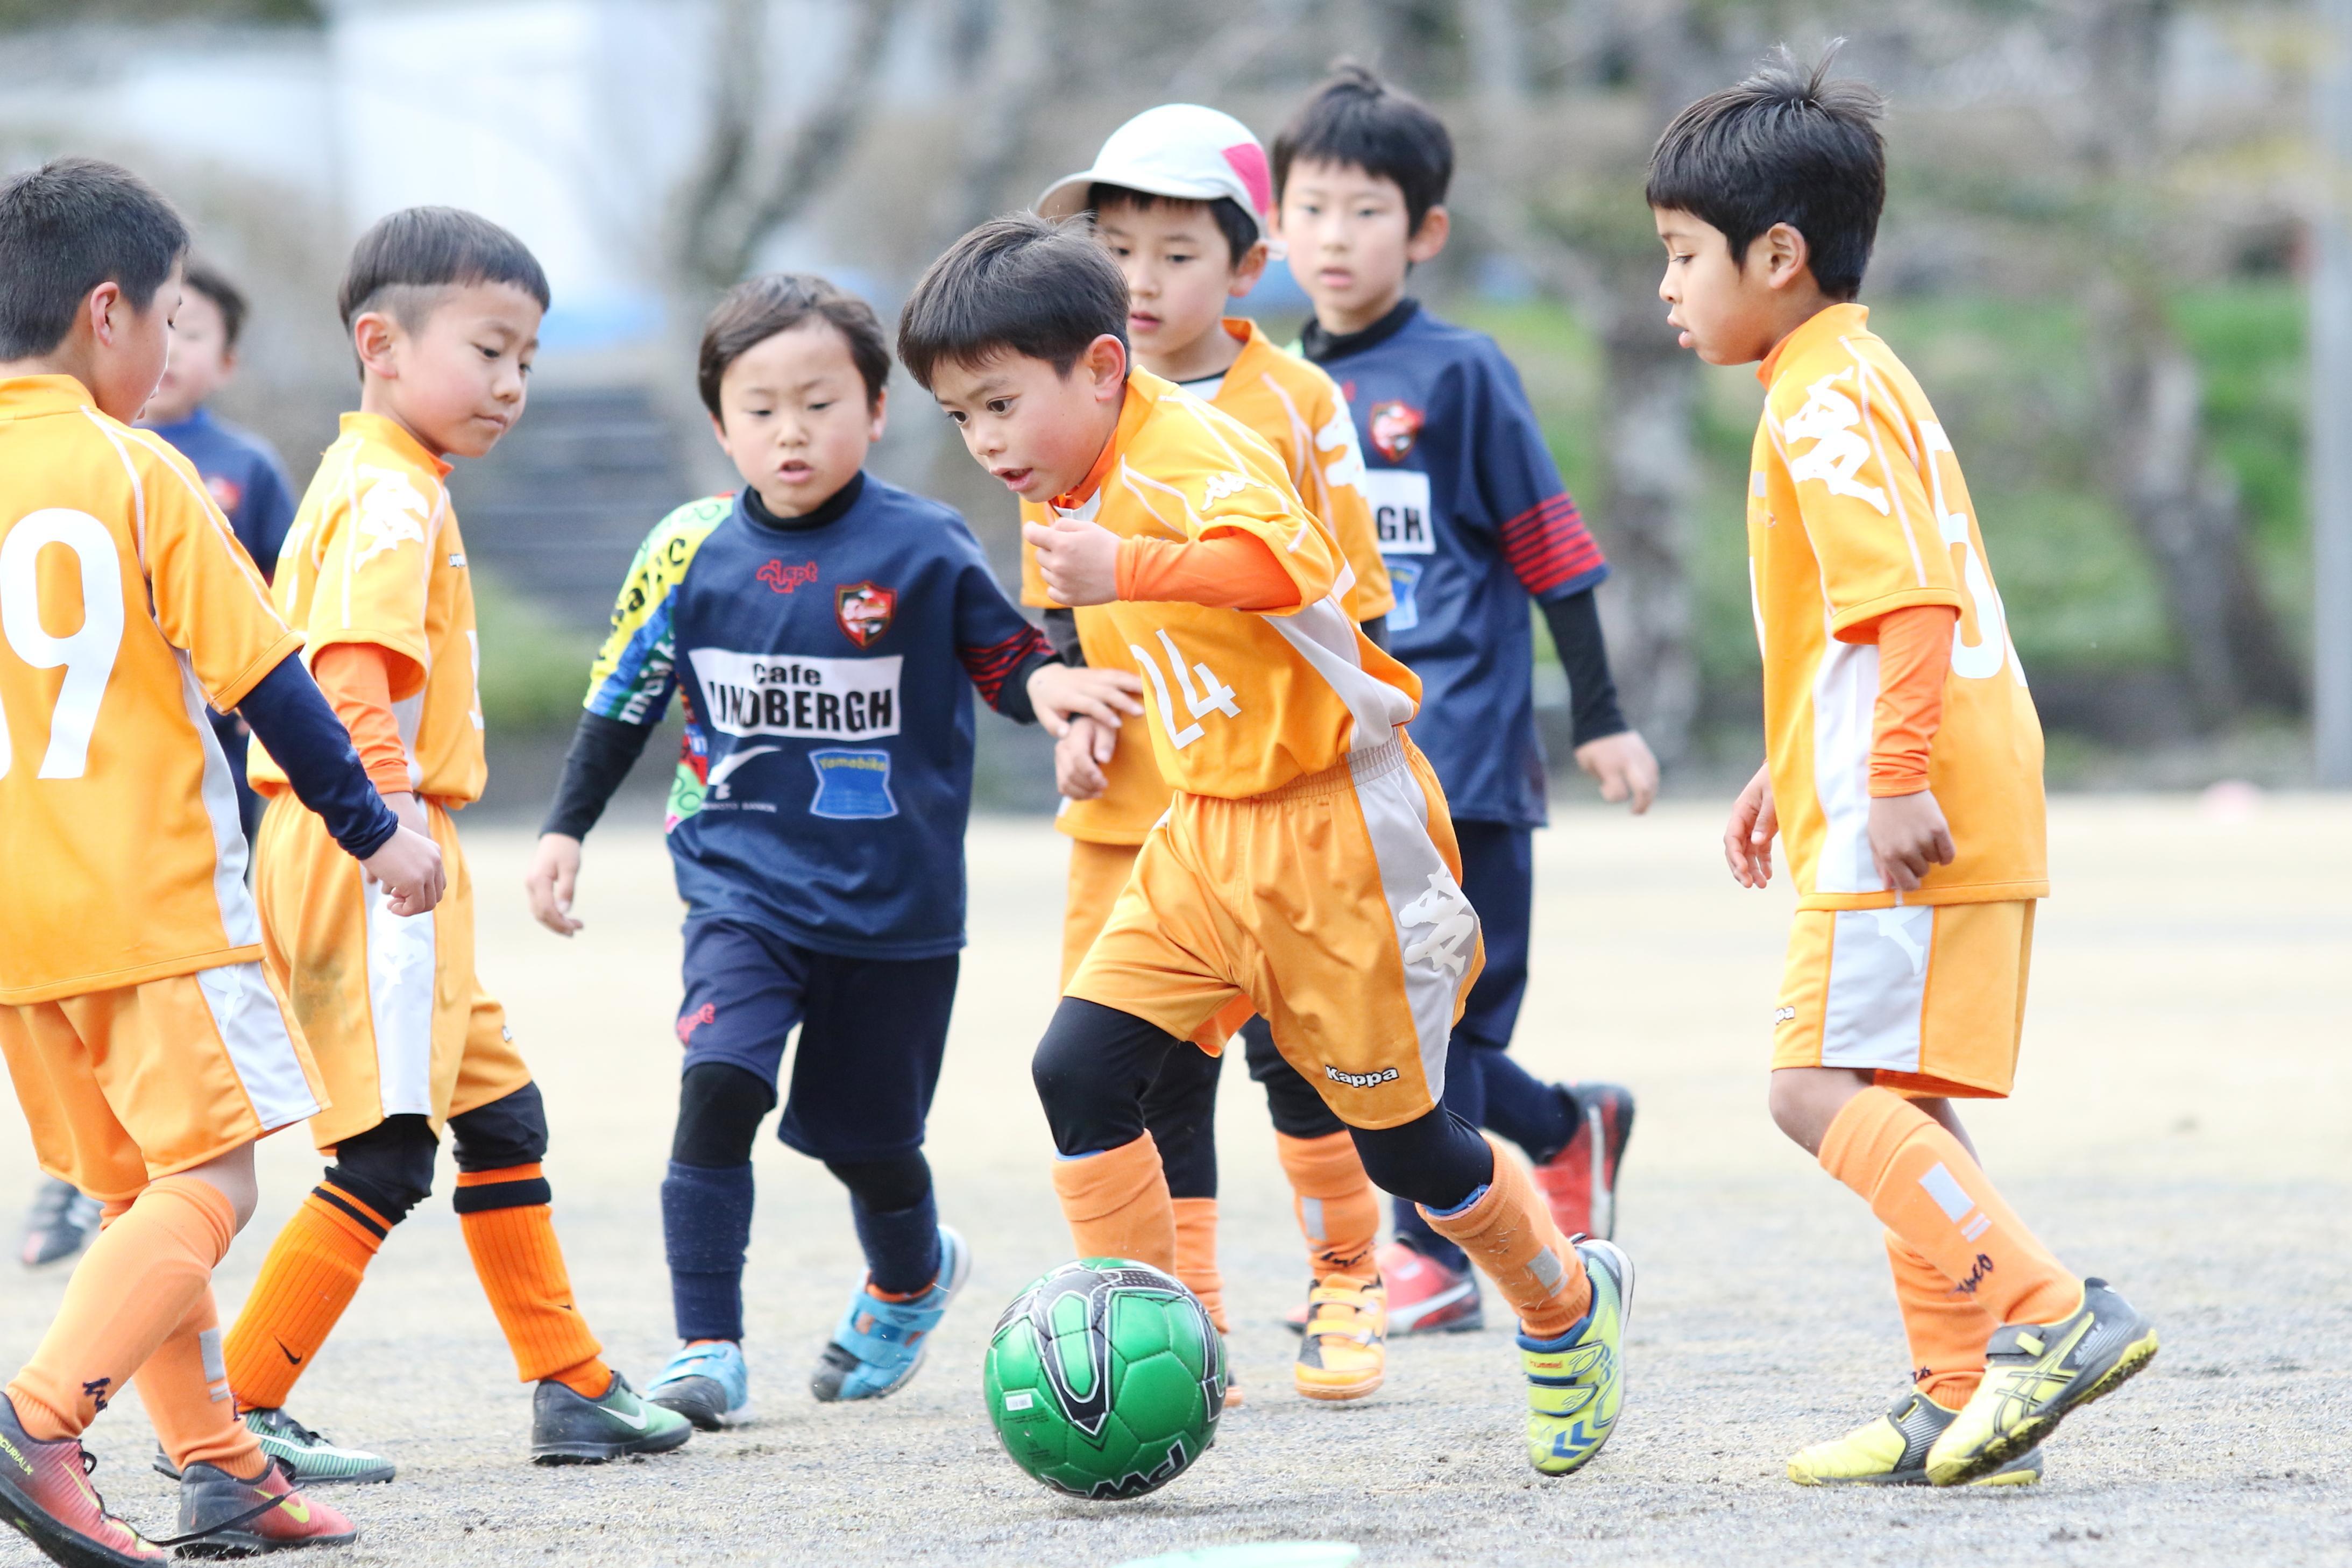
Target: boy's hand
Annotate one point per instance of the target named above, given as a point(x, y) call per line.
point(1080, 560)
point(553, 876)
point(1907, 836)
point(1747, 838)
point(408, 867)
point(1622, 764)
point(1079, 757)
point(1060, 694)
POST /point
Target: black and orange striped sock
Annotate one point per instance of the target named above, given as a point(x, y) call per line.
point(511, 1232)
point(312, 1272)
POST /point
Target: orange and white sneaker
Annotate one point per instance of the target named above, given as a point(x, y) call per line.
point(1343, 1354)
point(44, 1492)
point(1580, 1183)
point(221, 1516)
point(1425, 1296)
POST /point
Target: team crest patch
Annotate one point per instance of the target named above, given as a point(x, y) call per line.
point(226, 492)
point(864, 610)
point(1395, 427)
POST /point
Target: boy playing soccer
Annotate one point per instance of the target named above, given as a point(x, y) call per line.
point(1474, 521)
point(146, 1048)
point(1180, 196)
point(443, 309)
point(1903, 766)
point(1306, 861)
point(823, 630)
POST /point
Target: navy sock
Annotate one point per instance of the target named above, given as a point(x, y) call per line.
point(706, 1226)
point(1525, 1109)
point(902, 1245)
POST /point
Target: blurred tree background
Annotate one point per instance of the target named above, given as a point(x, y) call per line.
point(2094, 255)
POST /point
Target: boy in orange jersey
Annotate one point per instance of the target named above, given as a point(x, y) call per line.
point(1903, 766)
point(1305, 863)
point(146, 1048)
point(443, 308)
point(1178, 195)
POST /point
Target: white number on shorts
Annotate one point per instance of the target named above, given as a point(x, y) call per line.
point(88, 654)
point(1212, 695)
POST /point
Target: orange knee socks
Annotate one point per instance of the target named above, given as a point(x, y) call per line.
point(1337, 1211)
point(1508, 1233)
point(1196, 1254)
point(511, 1232)
point(1117, 1204)
point(1947, 1331)
point(184, 1386)
point(312, 1272)
point(130, 1293)
point(1923, 1185)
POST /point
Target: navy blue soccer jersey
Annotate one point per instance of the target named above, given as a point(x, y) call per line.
point(826, 673)
point(244, 476)
point(1472, 520)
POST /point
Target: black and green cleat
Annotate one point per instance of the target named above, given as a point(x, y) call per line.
point(312, 1459)
point(567, 1429)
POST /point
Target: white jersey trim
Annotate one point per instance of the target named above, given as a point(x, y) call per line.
point(245, 1012)
point(401, 965)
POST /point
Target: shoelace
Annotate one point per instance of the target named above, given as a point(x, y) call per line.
point(250, 1514)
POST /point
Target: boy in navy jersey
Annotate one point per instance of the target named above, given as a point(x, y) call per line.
point(823, 630)
point(1473, 522)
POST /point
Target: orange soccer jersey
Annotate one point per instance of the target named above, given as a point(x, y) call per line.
point(375, 555)
point(1855, 509)
point(1299, 410)
point(127, 605)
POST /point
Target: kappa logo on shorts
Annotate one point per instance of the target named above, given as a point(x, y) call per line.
point(704, 1014)
point(1783, 1015)
point(1360, 1079)
point(1447, 911)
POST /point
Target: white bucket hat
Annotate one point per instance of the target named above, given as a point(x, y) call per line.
point(1179, 149)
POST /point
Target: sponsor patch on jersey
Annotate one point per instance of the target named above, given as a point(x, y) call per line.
point(1404, 577)
point(1401, 517)
point(864, 610)
point(1394, 425)
point(784, 579)
point(852, 785)
point(806, 698)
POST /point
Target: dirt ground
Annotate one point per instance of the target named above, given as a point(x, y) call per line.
point(2180, 1129)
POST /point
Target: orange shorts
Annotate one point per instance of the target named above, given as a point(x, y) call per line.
point(1099, 874)
point(391, 1006)
point(1333, 906)
point(123, 1086)
point(1929, 998)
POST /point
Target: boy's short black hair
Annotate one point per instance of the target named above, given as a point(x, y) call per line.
point(1040, 287)
point(65, 228)
point(1786, 146)
point(1357, 119)
point(226, 297)
point(406, 257)
point(1233, 219)
point(757, 308)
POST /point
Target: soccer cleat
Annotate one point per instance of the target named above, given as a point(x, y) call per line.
point(566, 1429)
point(1342, 1353)
point(312, 1459)
point(2035, 1373)
point(1580, 1183)
point(1892, 1451)
point(60, 1224)
point(879, 1344)
point(707, 1383)
point(1577, 1383)
point(1425, 1296)
point(221, 1516)
point(44, 1492)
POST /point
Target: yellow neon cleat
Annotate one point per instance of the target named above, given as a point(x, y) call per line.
point(1892, 1451)
point(1575, 1383)
point(2035, 1373)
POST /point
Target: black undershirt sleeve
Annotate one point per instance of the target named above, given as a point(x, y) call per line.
point(1575, 623)
point(291, 717)
point(603, 752)
point(1376, 631)
point(1012, 698)
point(1061, 631)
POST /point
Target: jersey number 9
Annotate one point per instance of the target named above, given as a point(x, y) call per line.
point(87, 653)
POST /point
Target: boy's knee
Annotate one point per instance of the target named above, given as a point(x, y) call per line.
point(1091, 1070)
point(1804, 1101)
point(719, 1109)
point(389, 1167)
point(507, 1132)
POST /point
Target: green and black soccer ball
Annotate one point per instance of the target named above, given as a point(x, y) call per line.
point(1105, 1379)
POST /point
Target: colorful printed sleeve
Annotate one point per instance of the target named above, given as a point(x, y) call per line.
point(636, 669)
point(1541, 534)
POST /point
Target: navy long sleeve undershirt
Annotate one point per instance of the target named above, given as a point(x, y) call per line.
point(291, 717)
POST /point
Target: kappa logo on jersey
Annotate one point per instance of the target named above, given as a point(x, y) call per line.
point(1395, 426)
point(1220, 485)
point(784, 579)
point(864, 610)
point(1829, 420)
point(392, 513)
point(1445, 910)
point(788, 694)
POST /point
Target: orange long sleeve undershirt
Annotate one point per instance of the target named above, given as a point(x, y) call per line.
point(1225, 571)
point(1915, 655)
point(357, 680)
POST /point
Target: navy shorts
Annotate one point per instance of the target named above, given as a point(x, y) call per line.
point(1498, 877)
point(872, 1033)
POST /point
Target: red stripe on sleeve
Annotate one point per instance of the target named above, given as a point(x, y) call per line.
point(988, 667)
point(1547, 544)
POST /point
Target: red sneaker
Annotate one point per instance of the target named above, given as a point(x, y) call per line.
point(221, 1516)
point(1580, 1183)
point(1425, 1296)
point(44, 1492)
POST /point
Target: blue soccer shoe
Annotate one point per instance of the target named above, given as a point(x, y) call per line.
point(879, 1344)
point(707, 1383)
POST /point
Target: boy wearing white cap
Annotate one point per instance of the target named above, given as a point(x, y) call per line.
point(1180, 196)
